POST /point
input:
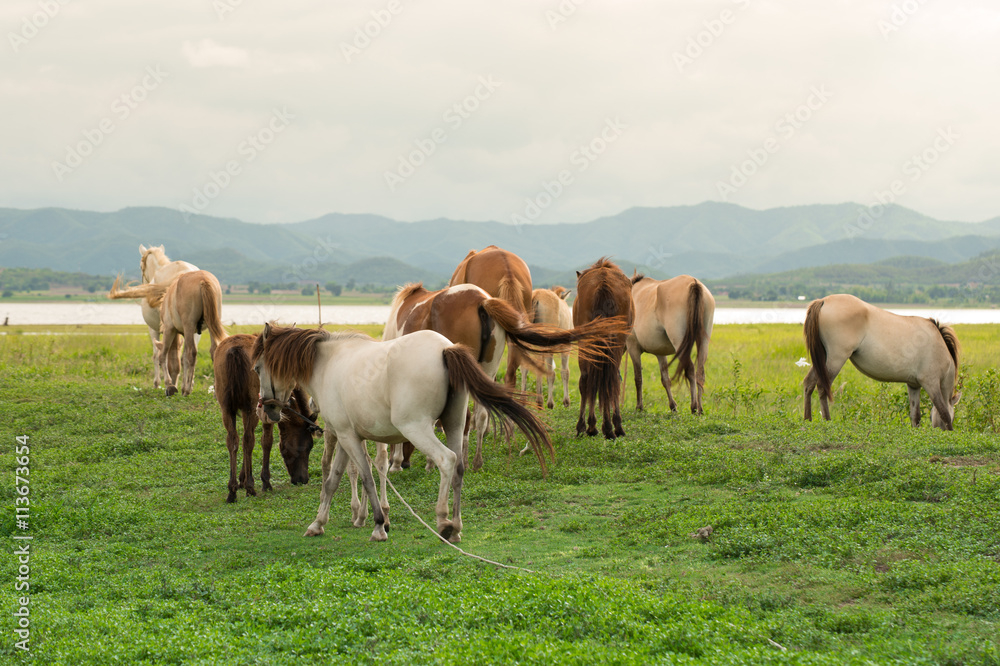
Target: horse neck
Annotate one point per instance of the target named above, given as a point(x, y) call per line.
point(170, 271)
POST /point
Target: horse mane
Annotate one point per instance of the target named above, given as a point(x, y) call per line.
point(951, 342)
point(290, 351)
point(156, 251)
point(603, 262)
point(637, 278)
point(405, 292)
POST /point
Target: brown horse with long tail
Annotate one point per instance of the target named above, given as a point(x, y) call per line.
point(918, 352)
point(603, 291)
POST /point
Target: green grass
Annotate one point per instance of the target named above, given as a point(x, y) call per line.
point(856, 541)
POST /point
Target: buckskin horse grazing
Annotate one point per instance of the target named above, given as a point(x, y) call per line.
point(602, 291)
point(503, 275)
point(549, 308)
point(671, 317)
point(918, 352)
point(237, 389)
point(466, 314)
point(156, 268)
point(386, 391)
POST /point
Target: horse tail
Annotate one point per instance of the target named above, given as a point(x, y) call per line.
point(951, 342)
point(816, 349)
point(694, 333)
point(212, 311)
point(151, 291)
point(464, 373)
point(510, 290)
point(236, 394)
point(539, 339)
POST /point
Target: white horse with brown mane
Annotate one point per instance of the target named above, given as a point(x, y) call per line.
point(156, 268)
point(386, 391)
point(918, 352)
point(672, 317)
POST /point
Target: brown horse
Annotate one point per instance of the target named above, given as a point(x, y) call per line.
point(549, 308)
point(671, 317)
point(466, 314)
point(504, 275)
point(156, 267)
point(918, 352)
point(237, 389)
point(603, 291)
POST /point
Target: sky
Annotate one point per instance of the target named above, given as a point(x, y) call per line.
point(523, 111)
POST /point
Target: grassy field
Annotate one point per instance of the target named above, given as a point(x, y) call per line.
point(856, 541)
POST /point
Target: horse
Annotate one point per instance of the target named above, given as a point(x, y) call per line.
point(468, 315)
point(887, 347)
point(603, 290)
point(671, 317)
point(156, 267)
point(386, 391)
point(501, 274)
point(187, 305)
point(237, 389)
point(549, 307)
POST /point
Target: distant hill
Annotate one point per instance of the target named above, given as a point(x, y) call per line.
point(711, 240)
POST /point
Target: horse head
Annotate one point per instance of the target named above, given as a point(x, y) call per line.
point(939, 421)
point(273, 397)
point(296, 440)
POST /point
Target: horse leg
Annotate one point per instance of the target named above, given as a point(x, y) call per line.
point(634, 353)
point(358, 454)
point(700, 376)
point(249, 426)
point(331, 479)
point(581, 426)
point(395, 457)
point(833, 367)
point(607, 429)
point(233, 446)
point(808, 386)
point(168, 358)
point(692, 383)
point(481, 420)
point(550, 381)
point(382, 465)
point(447, 460)
point(190, 358)
point(665, 380)
point(266, 442)
point(154, 337)
point(359, 509)
point(944, 407)
point(455, 420)
point(565, 379)
point(914, 395)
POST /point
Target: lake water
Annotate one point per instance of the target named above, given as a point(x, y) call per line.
point(24, 314)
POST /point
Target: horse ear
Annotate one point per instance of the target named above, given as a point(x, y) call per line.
point(565, 294)
point(955, 398)
point(142, 249)
point(578, 274)
point(267, 331)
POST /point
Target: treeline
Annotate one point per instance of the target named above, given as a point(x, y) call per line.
point(43, 279)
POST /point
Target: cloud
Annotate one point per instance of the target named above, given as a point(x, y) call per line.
point(208, 53)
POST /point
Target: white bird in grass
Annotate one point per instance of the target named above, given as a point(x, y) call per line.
point(803, 363)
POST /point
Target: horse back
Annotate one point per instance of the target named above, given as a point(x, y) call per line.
point(236, 384)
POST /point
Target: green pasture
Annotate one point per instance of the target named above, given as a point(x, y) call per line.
point(858, 541)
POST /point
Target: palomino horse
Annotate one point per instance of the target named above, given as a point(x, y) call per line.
point(549, 308)
point(671, 317)
point(503, 275)
point(387, 391)
point(602, 291)
point(237, 389)
point(918, 352)
point(156, 268)
point(187, 305)
point(466, 314)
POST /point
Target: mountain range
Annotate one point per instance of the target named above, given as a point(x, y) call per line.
point(711, 240)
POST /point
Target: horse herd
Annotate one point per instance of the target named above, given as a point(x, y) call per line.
point(442, 348)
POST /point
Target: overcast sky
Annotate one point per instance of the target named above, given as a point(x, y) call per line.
point(551, 111)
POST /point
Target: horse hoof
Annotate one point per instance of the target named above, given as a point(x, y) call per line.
point(251, 492)
point(266, 486)
point(232, 498)
point(171, 390)
point(359, 522)
point(378, 534)
point(447, 531)
point(455, 538)
point(314, 530)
